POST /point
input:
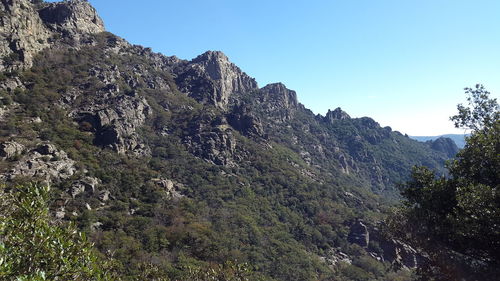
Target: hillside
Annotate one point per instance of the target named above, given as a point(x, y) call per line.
point(182, 163)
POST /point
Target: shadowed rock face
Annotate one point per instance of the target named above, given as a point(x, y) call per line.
point(211, 79)
point(396, 252)
point(114, 117)
point(445, 145)
point(359, 234)
point(242, 120)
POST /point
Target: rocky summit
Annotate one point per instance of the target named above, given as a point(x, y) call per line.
point(182, 164)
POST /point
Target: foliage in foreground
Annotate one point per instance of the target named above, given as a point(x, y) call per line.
point(456, 220)
point(32, 247)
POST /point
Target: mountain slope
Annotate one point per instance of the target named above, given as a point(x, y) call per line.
point(181, 163)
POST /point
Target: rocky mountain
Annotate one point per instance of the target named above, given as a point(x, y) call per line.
point(181, 163)
point(445, 145)
point(459, 139)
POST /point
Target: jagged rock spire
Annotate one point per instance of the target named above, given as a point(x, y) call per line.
point(337, 114)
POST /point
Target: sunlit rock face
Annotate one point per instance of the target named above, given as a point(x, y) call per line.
point(26, 28)
point(211, 78)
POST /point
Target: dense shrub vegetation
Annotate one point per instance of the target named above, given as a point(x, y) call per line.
point(456, 219)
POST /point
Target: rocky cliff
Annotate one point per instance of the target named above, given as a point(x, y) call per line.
point(26, 29)
point(211, 78)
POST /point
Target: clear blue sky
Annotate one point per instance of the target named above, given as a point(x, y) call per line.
point(402, 62)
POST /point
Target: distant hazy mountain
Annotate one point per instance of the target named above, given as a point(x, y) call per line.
point(459, 139)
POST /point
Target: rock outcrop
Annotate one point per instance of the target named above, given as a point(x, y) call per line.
point(217, 146)
point(277, 102)
point(390, 250)
point(446, 145)
point(334, 256)
point(337, 114)
point(112, 114)
point(71, 18)
point(211, 79)
point(84, 185)
point(10, 149)
point(278, 96)
point(45, 162)
point(243, 120)
point(22, 34)
point(170, 187)
point(358, 234)
point(28, 28)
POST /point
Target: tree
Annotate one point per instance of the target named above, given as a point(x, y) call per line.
point(481, 113)
point(32, 247)
point(456, 219)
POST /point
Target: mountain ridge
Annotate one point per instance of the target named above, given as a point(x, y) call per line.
point(459, 139)
point(142, 148)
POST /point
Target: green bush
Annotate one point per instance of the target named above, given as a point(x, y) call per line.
point(35, 248)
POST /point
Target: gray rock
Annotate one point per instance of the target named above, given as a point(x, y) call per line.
point(74, 17)
point(279, 96)
point(278, 103)
point(10, 149)
point(443, 144)
point(96, 226)
point(86, 184)
point(400, 254)
point(358, 234)
point(337, 114)
point(164, 183)
point(25, 30)
point(46, 149)
point(77, 189)
point(12, 83)
point(343, 164)
point(104, 195)
point(211, 78)
point(170, 187)
point(60, 213)
point(49, 165)
point(334, 256)
point(242, 120)
point(114, 115)
point(22, 34)
point(216, 146)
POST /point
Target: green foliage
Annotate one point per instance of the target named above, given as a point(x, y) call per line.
point(35, 248)
point(457, 219)
point(481, 112)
